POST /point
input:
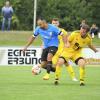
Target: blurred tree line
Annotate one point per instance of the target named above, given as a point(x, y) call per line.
point(69, 12)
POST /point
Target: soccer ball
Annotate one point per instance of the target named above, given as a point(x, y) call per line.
point(36, 69)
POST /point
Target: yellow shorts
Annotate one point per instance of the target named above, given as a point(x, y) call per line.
point(71, 55)
point(67, 54)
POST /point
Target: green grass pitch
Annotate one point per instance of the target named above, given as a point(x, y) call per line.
point(17, 83)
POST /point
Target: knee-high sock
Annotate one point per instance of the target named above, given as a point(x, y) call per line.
point(82, 73)
point(58, 72)
point(49, 66)
point(71, 71)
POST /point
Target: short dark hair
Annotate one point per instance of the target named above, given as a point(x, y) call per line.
point(40, 18)
point(85, 26)
point(55, 19)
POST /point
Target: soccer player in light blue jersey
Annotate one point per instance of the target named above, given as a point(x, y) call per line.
point(49, 34)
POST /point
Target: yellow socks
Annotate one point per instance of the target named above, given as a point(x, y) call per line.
point(82, 74)
point(58, 72)
point(71, 71)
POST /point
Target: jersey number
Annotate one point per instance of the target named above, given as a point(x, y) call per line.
point(76, 46)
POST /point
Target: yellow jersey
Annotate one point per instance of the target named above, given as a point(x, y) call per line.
point(76, 45)
point(77, 42)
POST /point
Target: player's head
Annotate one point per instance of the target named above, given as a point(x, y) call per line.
point(84, 30)
point(42, 23)
point(55, 21)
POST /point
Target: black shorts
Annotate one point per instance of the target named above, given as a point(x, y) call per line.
point(45, 52)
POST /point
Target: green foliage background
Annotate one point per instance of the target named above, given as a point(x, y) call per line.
point(69, 12)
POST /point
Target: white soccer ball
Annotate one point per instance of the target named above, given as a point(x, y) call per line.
point(36, 69)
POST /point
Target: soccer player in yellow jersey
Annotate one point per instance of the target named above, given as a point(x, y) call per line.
point(55, 22)
point(78, 40)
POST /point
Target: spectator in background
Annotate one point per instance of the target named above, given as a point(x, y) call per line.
point(7, 12)
point(83, 23)
point(94, 30)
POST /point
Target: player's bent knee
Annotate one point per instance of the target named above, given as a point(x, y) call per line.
point(49, 57)
point(81, 62)
point(60, 62)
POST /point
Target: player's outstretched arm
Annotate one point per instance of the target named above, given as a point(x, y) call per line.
point(93, 48)
point(30, 41)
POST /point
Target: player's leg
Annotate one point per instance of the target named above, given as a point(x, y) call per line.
point(44, 58)
point(55, 60)
point(71, 72)
point(48, 67)
point(81, 63)
point(49, 62)
point(51, 52)
point(69, 68)
point(60, 62)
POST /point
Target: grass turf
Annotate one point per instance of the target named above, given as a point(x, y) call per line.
point(17, 38)
point(17, 83)
point(20, 38)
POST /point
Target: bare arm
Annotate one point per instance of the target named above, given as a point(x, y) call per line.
point(93, 48)
point(65, 40)
point(30, 41)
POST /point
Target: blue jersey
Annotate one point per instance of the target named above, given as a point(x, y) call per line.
point(49, 35)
